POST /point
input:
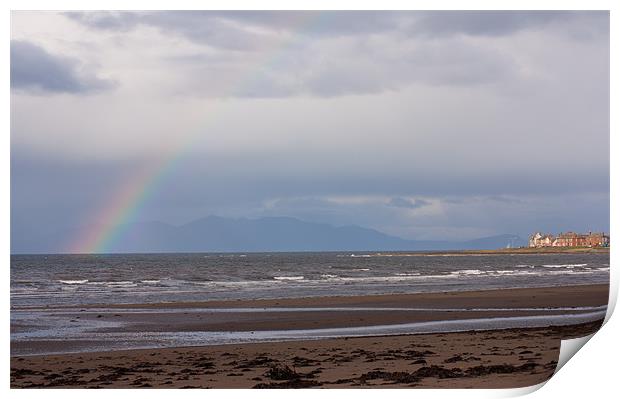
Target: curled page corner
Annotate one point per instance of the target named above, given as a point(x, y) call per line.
point(518, 392)
point(568, 349)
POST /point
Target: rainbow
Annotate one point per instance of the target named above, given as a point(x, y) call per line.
point(125, 204)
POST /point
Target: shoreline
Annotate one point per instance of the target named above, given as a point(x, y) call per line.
point(551, 295)
point(422, 252)
point(114, 327)
point(502, 251)
point(507, 358)
point(508, 355)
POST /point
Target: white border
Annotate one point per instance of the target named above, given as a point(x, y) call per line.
point(592, 369)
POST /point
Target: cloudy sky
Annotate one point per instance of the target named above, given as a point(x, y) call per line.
point(425, 125)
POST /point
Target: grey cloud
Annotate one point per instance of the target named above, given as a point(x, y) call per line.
point(456, 62)
point(112, 20)
point(577, 211)
point(33, 69)
point(400, 202)
point(495, 23)
point(460, 200)
point(375, 70)
point(468, 217)
point(215, 27)
point(323, 23)
point(505, 199)
point(204, 26)
point(76, 191)
point(443, 131)
point(369, 212)
point(346, 68)
point(338, 53)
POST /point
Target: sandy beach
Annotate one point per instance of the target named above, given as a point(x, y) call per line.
point(511, 357)
point(490, 359)
point(269, 198)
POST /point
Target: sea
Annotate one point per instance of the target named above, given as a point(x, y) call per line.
point(43, 285)
point(58, 280)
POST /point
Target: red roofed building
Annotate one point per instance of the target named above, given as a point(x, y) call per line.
point(569, 239)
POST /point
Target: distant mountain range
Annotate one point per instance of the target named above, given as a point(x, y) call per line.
point(219, 234)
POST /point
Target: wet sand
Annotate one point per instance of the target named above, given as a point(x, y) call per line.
point(498, 358)
point(486, 359)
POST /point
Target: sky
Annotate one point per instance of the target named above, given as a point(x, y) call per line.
point(425, 125)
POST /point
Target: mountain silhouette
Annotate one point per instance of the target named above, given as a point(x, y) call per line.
point(220, 234)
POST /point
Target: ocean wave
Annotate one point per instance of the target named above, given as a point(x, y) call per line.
point(288, 278)
point(391, 279)
point(119, 283)
point(71, 282)
point(335, 279)
point(571, 272)
point(23, 290)
point(568, 265)
point(468, 272)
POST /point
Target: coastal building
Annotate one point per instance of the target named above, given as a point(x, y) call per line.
point(569, 239)
point(597, 240)
point(538, 240)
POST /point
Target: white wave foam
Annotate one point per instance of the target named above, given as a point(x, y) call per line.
point(568, 265)
point(119, 283)
point(474, 272)
point(288, 278)
point(571, 272)
point(73, 281)
point(380, 279)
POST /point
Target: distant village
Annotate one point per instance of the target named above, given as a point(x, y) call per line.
point(570, 239)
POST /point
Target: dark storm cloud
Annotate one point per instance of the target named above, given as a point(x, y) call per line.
point(33, 69)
